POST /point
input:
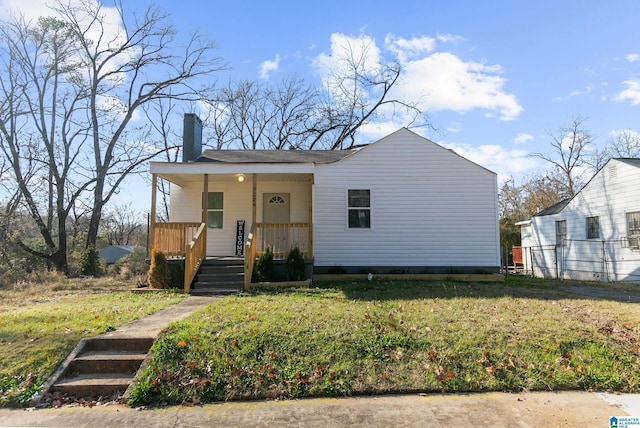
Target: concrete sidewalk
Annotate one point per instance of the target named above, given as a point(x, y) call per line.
point(545, 409)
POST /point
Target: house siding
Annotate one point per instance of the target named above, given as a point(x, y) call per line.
point(429, 208)
point(607, 258)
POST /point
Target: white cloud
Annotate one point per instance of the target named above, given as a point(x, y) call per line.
point(344, 50)
point(406, 49)
point(632, 57)
point(495, 158)
point(586, 90)
point(454, 127)
point(522, 138)
point(267, 67)
point(450, 38)
point(632, 93)
point(443, 81)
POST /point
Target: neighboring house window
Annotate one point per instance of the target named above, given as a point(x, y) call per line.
point(633, 229)
point(561, 232)
point(359, 208)
point(215, 205)
point(593, 227)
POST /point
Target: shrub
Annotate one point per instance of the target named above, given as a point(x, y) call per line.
point(264, 266)
point(295, 265)
point(159, 276)
point(90, 262)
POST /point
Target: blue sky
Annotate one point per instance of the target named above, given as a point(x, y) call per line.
point(494, 76)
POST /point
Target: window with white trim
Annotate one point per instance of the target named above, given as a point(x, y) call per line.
point(359, 207)
point(633, 229)
point(215, 206)
point(561, 232)
point(593, 227)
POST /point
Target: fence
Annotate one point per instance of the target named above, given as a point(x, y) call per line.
point(587, 260)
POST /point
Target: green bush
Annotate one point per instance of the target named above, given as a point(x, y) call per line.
point(295, 265)
point(90, 262)
point(264, 266)
point(159, 276)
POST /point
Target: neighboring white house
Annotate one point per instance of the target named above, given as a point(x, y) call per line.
point(402, 204)
point(593, 236)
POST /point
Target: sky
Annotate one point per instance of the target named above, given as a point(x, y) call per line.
point(495, 77)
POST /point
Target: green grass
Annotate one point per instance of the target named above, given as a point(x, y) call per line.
point(36, 337)
point(389, 336)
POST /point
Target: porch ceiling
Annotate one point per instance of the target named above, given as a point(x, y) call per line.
point(183, 180)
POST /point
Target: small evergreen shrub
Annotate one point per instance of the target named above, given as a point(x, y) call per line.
point(295, 265)
point(264, 266)
point(90, 262)
point(159, 276)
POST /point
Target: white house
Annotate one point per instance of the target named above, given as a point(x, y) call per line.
point(402, 204)
point(593, 236)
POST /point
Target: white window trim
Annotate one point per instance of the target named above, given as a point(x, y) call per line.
point(586, 225)
point(633, 241)
point(346, 211)
point(216, 210)
point(566, 229)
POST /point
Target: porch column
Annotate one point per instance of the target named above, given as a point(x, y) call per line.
point(152, 215)
point(310, 216)
point(205, 206)
point(254, 181)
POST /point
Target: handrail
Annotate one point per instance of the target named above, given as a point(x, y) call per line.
point(249, 257)
point(194, 254)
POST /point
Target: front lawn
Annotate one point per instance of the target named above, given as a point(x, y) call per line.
point(39, 329)
point(388, 336)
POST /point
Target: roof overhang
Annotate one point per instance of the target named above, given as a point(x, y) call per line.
point(523, 223)
point(183, 173)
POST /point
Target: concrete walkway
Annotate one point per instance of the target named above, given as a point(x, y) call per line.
point(547, 409)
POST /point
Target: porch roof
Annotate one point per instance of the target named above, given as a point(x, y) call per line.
point(273, 156)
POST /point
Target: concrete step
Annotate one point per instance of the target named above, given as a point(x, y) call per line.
point(219, 278)
point(208, 290)
point(94, 384)
point(119, 344)
point(107, 362)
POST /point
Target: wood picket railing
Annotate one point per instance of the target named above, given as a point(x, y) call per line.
point(172, 238)
point(195, 253)
point(282, 237)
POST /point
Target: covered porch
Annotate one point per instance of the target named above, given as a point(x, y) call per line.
point(237, 212)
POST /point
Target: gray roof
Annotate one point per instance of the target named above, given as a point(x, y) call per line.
point(630, 161)
point(273, 156)
point(554, 209)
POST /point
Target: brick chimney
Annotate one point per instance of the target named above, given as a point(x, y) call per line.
point(191, 137)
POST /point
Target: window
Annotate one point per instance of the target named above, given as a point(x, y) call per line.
point(561, 232)
point(214, 210)
point(593, 227)
point(359, 208)
point(633, 229)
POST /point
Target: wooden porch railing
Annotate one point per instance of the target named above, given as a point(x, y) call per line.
point(282, 237)
point(195, 253)
point(249, 257)
point(172, 238)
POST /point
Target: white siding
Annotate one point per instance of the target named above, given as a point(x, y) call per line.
point(609, 197)
point(186, 203)
point(429, 207)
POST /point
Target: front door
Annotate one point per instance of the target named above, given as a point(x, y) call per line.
point(276, 212)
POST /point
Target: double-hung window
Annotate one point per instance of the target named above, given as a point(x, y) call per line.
point(633, 229)
point(215, 205)
point(359, 207)
point(561, 232)
point(593, 227)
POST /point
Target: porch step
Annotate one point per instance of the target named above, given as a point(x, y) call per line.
point(103, 366)
point(219, 276)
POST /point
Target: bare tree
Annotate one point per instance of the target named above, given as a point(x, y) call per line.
point(296, 115)
point(569, 155)
point(122, 225)
point(625, 144)
point(71, 88)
